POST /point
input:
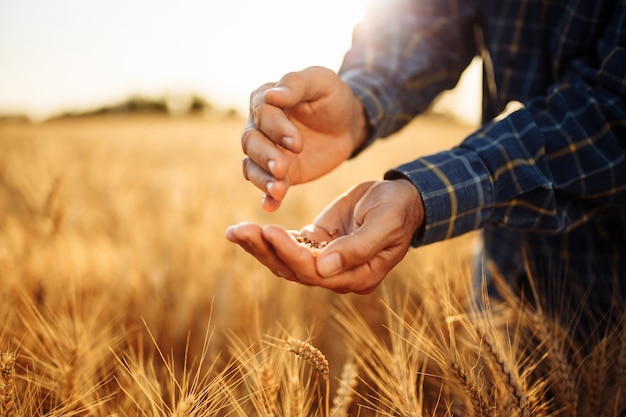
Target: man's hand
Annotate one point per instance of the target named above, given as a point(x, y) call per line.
point(368, 230)
point(298, 130)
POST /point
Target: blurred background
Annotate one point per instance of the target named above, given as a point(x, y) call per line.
point(112, 246)
point(76, 55)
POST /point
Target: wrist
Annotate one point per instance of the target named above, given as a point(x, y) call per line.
point(361, 128)
point(415, 203)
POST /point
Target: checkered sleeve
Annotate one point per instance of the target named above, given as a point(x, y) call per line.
point(404, 54)
point(548, 167)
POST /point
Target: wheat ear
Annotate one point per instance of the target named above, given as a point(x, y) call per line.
point(269, 389)
point(7, 385)
point(557, 343)
point(311, 354)
point(502, 366)
point(296, 398)
point(475, 396)
point(317, 360)
point(345, 391)
point(620, 363)
point(597, 369)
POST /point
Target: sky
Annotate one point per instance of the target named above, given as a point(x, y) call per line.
point(67, 55)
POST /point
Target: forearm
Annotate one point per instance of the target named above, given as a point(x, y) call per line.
point(403, 55)
point(548, 167)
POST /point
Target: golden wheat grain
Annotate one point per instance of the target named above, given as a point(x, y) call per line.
point(311, 354)
point(313, 245)
point(7, 384)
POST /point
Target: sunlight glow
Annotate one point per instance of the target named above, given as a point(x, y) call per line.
point(70, 54)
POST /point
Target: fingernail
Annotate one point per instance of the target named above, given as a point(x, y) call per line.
point(271, 164)
point(288, 142)
point(329, 265)
point(269, 186)
point(279, 88)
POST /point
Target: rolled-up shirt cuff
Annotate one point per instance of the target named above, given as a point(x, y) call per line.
point(456, 190)
point(372, 95)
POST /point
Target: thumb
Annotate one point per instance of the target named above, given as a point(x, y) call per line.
point(351, 251)
point(296, 87)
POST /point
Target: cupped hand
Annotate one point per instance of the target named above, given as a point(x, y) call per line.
point(368, 230)
point(299, 129)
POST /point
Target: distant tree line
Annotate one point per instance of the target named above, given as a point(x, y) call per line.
point(139, 104)
point(166, 105)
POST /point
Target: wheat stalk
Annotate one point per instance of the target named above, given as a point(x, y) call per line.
point(296, 398)
point(66, 388)
point(317, 360)
point(345, 392)
point(547, 351)
point(503, 371)
point(7, 384)
point(562, 372)
point(596, 375)
point(476, 397)
point(619, 399)
point(269, 389)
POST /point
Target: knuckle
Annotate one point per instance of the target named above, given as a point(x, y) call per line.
point(257, 97)
point(259, 112)
point(257, 93)
point(245, 139)
point(250, 123)
point(245, 167)
point(291, 77)
point(361, 252)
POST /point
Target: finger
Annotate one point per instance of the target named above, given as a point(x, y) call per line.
point(260, 149)
point(273, 122)
point(250, 237)
point(320, 233)
point(380, 232)
point(297, 256)
point(301, 86)
point(359, 248)
point(361, 280)
point(337, 219)
point(269, 203)
point(263, 180)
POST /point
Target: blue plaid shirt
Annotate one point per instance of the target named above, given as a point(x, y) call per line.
point(547, 183)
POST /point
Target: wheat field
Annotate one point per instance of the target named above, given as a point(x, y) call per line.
point(120, 295)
